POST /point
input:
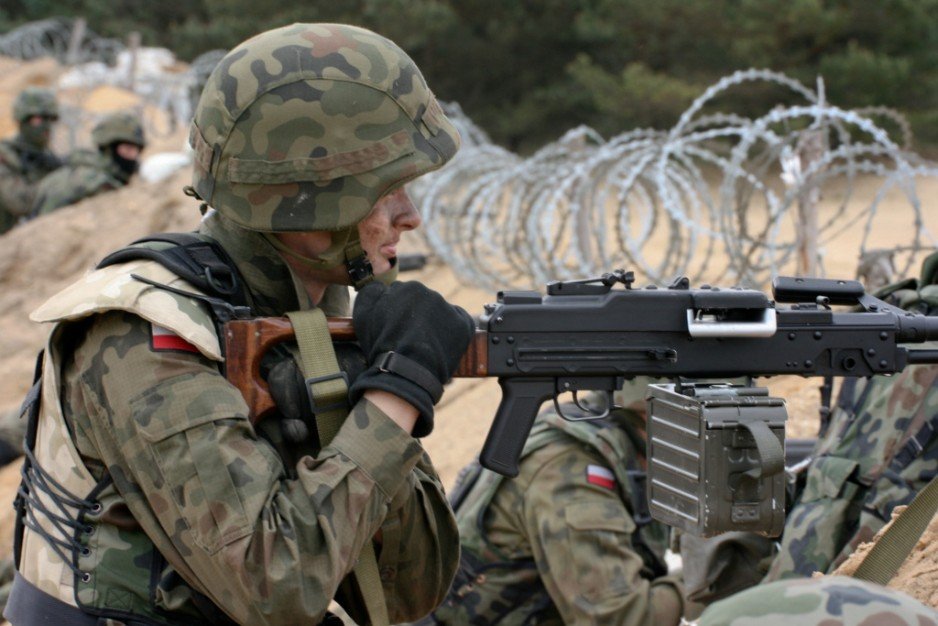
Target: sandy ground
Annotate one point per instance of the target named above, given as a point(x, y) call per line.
point(918, 576)
point(42, 256)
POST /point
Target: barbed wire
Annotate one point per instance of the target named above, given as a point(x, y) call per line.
point(168, 98)
point(51, 38)
point(711, 198)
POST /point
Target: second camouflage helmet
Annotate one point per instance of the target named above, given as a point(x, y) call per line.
point(35, 101)
point(305, 127)
point(118, 128)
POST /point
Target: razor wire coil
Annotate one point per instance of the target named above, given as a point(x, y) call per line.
point(701, 199)
point(704, 198)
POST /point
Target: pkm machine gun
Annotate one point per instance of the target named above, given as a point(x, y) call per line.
point(591, 335)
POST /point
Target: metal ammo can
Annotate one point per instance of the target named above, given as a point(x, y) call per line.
point(716, 458)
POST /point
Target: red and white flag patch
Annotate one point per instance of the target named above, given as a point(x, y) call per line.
point(599, 475)
point(165, 340)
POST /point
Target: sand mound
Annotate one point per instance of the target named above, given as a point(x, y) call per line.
point(41, 257)
point(918, 575)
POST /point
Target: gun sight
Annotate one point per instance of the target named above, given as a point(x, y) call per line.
point(793, 290)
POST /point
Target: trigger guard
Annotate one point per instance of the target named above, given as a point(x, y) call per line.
point(588, 414)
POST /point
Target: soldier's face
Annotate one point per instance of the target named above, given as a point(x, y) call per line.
point(380, 232)
point(128, 151)
point(39, 127)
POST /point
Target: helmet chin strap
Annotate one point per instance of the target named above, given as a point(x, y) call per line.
point(360, 271)
point(345, 249)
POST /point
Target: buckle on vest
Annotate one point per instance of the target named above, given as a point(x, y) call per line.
point(340, 404)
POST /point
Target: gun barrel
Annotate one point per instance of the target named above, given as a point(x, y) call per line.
point(923, 356)
point(918, 328)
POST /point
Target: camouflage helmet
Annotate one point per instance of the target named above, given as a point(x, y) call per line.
point(305, 127)
point(35, 101)
point(819, 602)
point(118, 128)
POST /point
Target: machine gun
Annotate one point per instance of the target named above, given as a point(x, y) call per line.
point(589, 335)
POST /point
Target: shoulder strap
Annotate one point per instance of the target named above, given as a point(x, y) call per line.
point(201, 262)
point(197, 259)
point(327, 386)
point(886, 556)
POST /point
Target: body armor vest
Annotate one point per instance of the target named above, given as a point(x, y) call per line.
point(64, 547)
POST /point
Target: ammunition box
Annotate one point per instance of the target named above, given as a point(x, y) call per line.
point(716, 458)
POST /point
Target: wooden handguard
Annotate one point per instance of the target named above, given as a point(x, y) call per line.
point(246, 342)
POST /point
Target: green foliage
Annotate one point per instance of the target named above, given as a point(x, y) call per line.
point(528, 70)
point(865, 78)
point(637, 97)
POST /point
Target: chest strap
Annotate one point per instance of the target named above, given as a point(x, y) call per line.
point(327, 386)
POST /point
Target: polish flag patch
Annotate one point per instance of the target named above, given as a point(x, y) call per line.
point(598, 475)
point(165, 340)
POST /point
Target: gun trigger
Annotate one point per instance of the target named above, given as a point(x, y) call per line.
point(589, 414)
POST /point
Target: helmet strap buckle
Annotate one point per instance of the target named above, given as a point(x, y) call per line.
point(360, 271)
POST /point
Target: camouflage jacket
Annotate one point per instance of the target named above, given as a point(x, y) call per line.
point(86, 173)
point(21, 169)
point(192, 509)
point(569, 540)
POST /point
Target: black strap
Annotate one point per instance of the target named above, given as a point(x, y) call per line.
point(913, 448)
point(199, 260)
point(30, 605)
point(397, 363)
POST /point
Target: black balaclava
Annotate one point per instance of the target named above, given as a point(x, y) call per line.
point(127, 167)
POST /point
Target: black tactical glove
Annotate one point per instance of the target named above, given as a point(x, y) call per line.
point(289, 393)
point(413, 340)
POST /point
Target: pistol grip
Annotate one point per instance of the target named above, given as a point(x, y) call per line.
point(521, 399)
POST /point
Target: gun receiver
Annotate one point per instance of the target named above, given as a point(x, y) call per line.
point(590, 335)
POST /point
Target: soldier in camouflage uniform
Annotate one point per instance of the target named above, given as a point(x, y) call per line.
point(119, 139)
point(827, 601)
point(26, 159)
point(149, 497)
point(570, 539)
point(877, 451)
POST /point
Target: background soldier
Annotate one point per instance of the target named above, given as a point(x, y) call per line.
point(119, 139)
point(149, 496)
point(570, 539)
point(878, 451)
point(26, 158)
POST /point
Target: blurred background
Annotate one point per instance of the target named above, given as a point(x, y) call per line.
point(526, 71)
